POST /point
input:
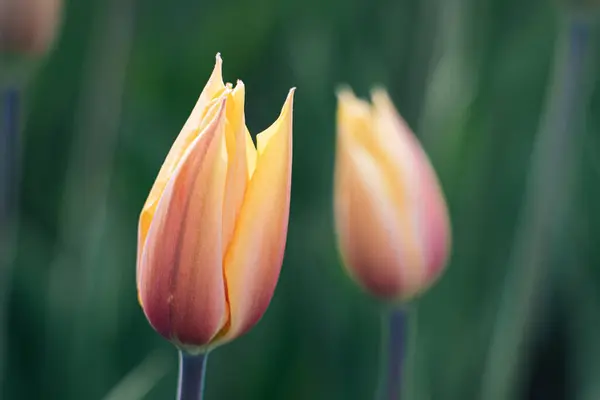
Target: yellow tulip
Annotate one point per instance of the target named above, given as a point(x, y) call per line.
point(212, 232)
point(391, 218)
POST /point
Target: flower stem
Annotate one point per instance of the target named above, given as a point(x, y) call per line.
point(9, 158)
point(9, 134)
point(393, 346)
point(192, 372)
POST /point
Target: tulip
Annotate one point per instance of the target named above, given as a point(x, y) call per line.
point(28, 26)
point(212, 232)
point(391, 218)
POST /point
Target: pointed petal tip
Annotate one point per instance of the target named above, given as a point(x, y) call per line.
point(283, 121)
point(344, 91)
point(383, 105)
point(218, 69)
point(347, 98)
point(378, 92)
point(288, 105)
point(290, 96)
point(239, 86)
point(380, 97)
point(349, 106)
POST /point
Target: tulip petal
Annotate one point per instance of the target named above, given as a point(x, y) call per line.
point(181, 279)
point(427, 200)
point(377, 230)
point(367, 234)
point(355, 114)
point(250, 154)
point(237, 169)
point(188, 134)
point(253, 260)
point(436, 227)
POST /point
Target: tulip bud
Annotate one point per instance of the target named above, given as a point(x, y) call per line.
point(28, 26)
point(213, 230)
point(391, 218)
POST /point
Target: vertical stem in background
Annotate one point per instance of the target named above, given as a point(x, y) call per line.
point(9, 156)
point(192, 373)
point(8, 152)
point(545, 207)
point(393, 353)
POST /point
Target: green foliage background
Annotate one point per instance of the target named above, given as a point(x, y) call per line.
point(471, 77)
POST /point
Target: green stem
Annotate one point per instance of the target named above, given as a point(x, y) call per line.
point(393, 346)
point(192, 374)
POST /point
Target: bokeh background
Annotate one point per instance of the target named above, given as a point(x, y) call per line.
point(504, 96)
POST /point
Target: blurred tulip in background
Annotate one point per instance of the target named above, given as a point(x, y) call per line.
point(391, 217)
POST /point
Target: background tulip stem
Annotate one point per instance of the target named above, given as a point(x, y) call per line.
point(192, 371)
point(9, 154)
point(393, 346)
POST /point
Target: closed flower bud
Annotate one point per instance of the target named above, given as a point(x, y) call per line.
point(28, 26)
point(213, 230)
point(391, 218)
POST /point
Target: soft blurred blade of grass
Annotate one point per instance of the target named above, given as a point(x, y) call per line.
point(452, 84)
point(140, 381)
point(545, 213)
point(75, 295)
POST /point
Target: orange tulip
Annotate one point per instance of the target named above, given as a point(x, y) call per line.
point(213, 230)
point(391, 218)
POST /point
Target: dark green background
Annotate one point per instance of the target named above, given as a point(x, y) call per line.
point(471, 77)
